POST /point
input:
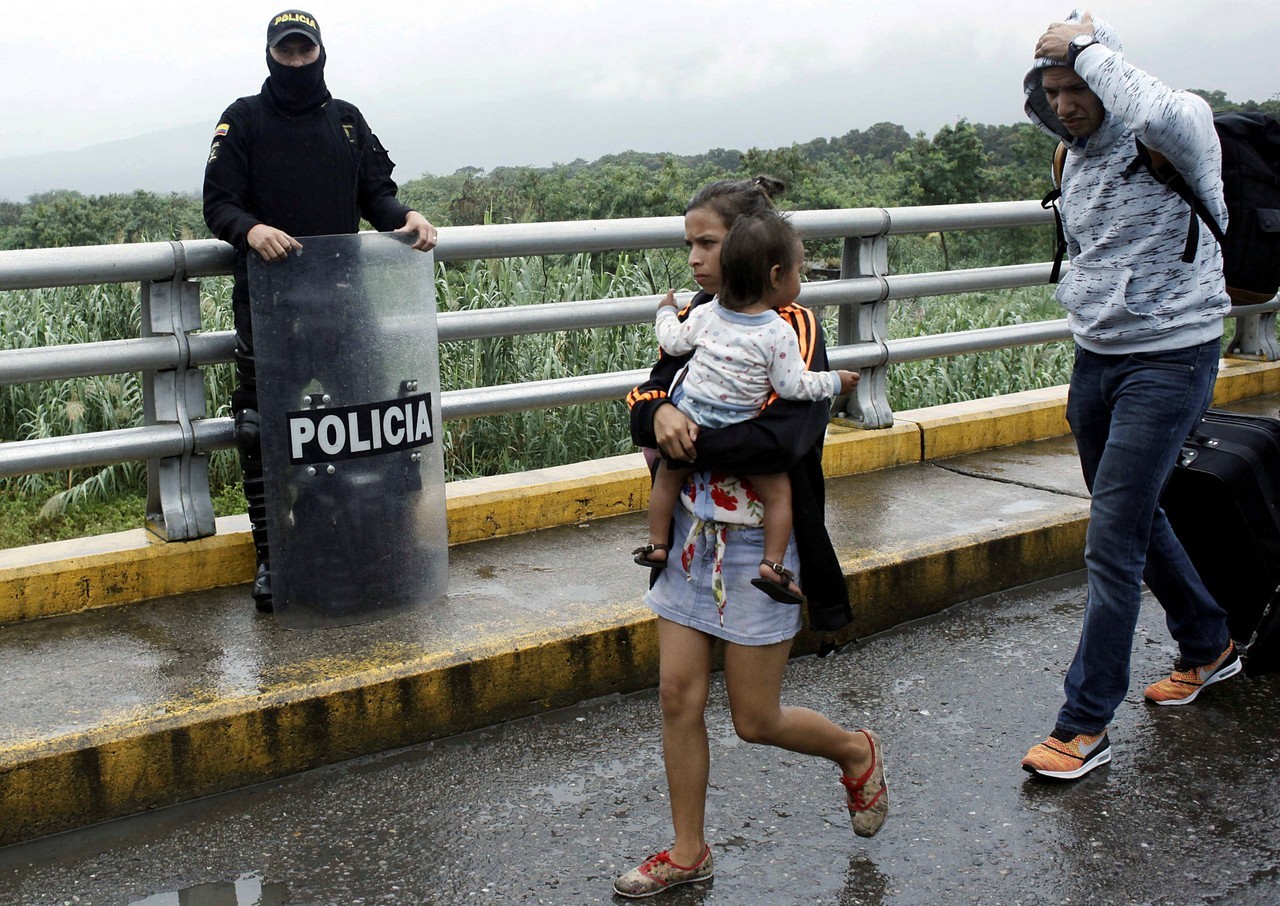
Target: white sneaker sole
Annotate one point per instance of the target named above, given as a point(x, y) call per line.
point(1093, 761)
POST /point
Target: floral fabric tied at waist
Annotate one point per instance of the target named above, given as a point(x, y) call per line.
point(718, 503)
point(716, 533)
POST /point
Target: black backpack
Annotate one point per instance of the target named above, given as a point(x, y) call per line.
point(1251, 185)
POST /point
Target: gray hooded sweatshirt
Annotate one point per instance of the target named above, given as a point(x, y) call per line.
point(1127, 289)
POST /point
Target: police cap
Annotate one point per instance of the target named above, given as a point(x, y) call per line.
point(293, 22)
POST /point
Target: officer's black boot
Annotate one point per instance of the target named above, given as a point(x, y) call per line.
point(255, 495)
point(262, 588)
point(246, 422)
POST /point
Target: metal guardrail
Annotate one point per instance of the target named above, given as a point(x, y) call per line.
point(169, 354)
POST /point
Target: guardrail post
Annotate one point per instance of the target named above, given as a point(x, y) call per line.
point(179, 507)
point(868, 405)
point(1255, 337)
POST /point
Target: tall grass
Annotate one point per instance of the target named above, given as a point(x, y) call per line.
point(71, 315)
point(525, 440)
point(913, 385)
point(489, 445)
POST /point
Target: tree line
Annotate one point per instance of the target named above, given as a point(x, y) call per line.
point(881, 166)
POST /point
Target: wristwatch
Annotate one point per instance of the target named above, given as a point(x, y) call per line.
point(1079, 43)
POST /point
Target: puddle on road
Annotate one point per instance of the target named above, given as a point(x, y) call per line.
point(247, 890)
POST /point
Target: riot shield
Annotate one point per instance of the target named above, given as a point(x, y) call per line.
point(348, 371)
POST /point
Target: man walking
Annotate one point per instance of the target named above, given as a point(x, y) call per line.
point(1147, 326)
point(290, 161)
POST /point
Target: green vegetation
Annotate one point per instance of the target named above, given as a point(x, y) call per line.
point(22, 522)
point(66, 315)
point(879, 166)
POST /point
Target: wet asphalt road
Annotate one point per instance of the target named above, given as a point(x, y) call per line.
point(550, 809)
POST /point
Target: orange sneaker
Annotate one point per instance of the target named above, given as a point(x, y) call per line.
point(1183, 685)
point(1067, 756)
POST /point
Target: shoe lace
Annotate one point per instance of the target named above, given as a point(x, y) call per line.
point(655, 862)
point(664, 858)
point(1184, 671)
point(858, 800)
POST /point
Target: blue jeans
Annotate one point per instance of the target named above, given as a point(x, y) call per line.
point(1130, 415)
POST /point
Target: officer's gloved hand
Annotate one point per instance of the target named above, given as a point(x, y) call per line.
point(246, 430)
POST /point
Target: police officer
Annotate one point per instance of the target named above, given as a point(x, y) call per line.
point(290, 161)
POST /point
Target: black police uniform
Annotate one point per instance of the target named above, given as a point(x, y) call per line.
point(294, 158)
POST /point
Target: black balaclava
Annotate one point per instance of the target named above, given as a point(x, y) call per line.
point(296, 89)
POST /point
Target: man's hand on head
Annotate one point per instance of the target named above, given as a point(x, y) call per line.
point(1054, 42)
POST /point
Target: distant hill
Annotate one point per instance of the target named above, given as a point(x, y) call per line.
point(166, 161)
point(439, 141)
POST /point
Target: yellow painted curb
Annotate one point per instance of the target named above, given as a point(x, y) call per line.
point(69, 576)
point(984, 424)
point(850, 450)
point(480, 508)
point(493, 507)
point(907, 585)
point(1241, 379)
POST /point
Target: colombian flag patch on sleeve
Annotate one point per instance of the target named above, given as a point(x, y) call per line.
point(223, 129)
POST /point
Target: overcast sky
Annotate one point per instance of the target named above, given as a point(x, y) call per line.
point(495, 82)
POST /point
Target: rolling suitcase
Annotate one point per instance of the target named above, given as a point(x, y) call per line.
point(1223, 500)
